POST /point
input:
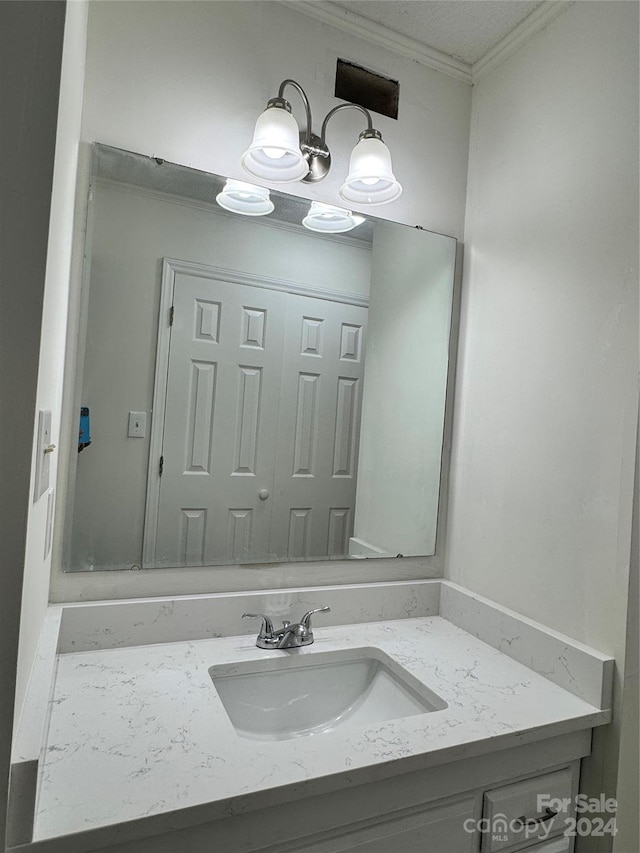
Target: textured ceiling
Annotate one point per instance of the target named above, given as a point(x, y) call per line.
point(465, 29)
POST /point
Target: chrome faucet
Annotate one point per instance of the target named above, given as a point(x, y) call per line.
point(290, 636)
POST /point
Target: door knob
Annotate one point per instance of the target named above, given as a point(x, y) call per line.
point(263, 494)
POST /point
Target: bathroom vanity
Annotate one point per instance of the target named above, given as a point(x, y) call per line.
point(423, 717)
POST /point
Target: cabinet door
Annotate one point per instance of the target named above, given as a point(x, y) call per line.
point(447, 828)
point(514, 816)
point(556, 845)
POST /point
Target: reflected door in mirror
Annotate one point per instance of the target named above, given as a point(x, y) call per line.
point(261, 424)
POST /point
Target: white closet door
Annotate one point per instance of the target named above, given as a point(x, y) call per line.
point(261, 425)
point(319, 428)
point(221, 419)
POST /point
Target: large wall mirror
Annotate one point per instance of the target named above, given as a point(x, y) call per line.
point(256, 391)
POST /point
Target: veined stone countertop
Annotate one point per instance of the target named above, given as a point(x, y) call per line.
point(140, 732)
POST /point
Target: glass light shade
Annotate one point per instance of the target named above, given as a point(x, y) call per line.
point(370, 179)
point(326, 219)
point(246, 199)
point(275, 155)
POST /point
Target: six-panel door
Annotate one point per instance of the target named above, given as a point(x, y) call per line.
point(261, 425)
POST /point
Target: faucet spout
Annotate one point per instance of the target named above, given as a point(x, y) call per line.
point(290, 637)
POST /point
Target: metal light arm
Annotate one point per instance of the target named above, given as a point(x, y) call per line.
point(314, 148)
point(309, 142)
point(305, 101)
point(282, 153)
point(370, 131)
point(320, 157)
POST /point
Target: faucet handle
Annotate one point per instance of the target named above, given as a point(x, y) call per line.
point(267, 626)
point(306, 619)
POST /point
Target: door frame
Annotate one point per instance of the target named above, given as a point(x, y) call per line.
point(171, 267)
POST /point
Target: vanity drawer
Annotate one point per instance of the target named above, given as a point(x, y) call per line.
point(556, 845)
point(512, 817)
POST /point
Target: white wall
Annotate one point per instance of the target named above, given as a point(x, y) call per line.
point(542, 467)
point(628, 789)
point(405, 385)
point(31, 37)
point(546, 398)
point(35, 594)
point(132, 232)
point(187, 80)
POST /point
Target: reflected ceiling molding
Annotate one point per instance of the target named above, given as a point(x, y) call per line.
point(326, 219)
point(246, 199)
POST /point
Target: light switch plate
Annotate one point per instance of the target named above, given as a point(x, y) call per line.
point(43, 461)
point(137, 424)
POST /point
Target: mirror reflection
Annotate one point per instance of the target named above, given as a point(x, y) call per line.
point(257, 385)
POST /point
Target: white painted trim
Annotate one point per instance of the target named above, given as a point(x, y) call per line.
point(430, 57)
point(357, 25)
point(281, 284)
point(171, 267)
point(152, 502)
point(521, 34)
point(74, 370)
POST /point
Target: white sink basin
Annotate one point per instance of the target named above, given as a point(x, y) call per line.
point(296, 694)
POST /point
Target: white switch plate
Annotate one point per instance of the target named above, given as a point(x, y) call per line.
point(137, 424)
point(43, 461)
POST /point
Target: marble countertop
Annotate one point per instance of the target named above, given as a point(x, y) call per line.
point(140, 732)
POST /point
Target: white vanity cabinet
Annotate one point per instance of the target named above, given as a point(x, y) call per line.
point(453, 824)
point(438, 828)
point(555, 845)
point(186, 774)
point(433, 810)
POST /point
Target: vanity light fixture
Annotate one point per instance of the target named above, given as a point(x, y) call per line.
point(326, 219)
point(247, 199)
point(280, 153)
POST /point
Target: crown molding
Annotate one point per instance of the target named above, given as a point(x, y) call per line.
point(351, 22)
point(357, 25)
point(521, 34)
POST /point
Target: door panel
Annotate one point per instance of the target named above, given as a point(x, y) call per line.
point(261, 425)
point(220, 422)
point(318, 428)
